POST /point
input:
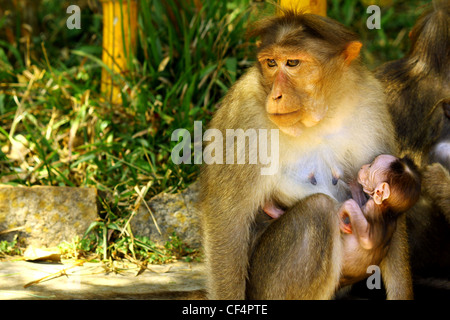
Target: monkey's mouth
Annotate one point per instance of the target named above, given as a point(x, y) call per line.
point(285, 113)
point(285, 119)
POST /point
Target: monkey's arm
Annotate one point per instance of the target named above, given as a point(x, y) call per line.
point(395, 267)
point(358, 223)
point(357, 193)
point(226, 248)
point(436, 184)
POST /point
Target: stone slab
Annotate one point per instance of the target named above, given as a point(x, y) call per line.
point(46, 215)
point(179, 280)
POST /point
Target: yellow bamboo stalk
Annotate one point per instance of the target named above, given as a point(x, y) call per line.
point(381, 3)
point(310, 6)
point(119, 40)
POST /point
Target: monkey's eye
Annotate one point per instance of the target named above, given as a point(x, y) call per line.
point(271, 63)
point(292, 63)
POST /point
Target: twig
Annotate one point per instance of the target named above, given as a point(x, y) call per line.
point(149, 210)
point(12, 230)
point(54, 275)
point(141, 195)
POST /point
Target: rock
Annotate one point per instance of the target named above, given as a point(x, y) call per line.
point(47, 215)
point(40, 254)
point(173, 213)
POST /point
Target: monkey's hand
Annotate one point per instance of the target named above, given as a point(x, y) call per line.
point(435, 177)
point(436, 184)
point(344, 218)
point(272, 210)
point(359, 225)
point(357, 193)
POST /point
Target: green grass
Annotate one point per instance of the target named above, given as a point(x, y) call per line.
point(8, 248)
point(57, 129)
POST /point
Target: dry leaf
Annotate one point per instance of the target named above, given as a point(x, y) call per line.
point(163, 64)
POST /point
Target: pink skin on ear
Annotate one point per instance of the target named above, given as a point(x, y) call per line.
point(352, 51)
point(382, 192)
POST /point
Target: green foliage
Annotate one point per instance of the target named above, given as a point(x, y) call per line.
point(391, 41)
point(57, 129)
point(92, 247)
point(9, 248)
point(70, 136)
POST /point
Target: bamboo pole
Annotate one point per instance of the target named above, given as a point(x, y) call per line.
point(381, 3)
point(308, 6)
point(119, 43)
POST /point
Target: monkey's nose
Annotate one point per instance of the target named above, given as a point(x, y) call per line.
point(277, 97)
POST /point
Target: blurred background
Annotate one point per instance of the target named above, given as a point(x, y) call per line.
point(58, 128)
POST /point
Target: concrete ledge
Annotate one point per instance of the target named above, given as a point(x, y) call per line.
point(178, 280)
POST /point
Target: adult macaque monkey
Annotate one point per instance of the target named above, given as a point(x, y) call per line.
point(331, 116)
point(417, 89)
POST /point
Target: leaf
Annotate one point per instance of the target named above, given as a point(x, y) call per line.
point(92, 226)
point(163, 64)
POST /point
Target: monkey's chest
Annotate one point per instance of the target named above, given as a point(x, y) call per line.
point(315, 174)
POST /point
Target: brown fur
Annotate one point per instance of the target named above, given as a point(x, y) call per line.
point(297, 247)
point(404, 180)
point(416, 84)
point(440, 151)
point(436, 182)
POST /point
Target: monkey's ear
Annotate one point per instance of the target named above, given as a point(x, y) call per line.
point(382, 192)
point(351, 52)
point(258, 43)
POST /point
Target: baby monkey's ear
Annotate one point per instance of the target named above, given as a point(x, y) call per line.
point(382, 192)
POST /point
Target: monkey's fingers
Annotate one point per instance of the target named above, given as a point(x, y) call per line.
point(344, 224)
point(273, 211)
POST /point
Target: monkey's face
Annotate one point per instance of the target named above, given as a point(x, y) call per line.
point(292, 78)
point(303, 59)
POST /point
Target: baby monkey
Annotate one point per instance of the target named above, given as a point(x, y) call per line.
point(393, 186)
point(383, 190)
